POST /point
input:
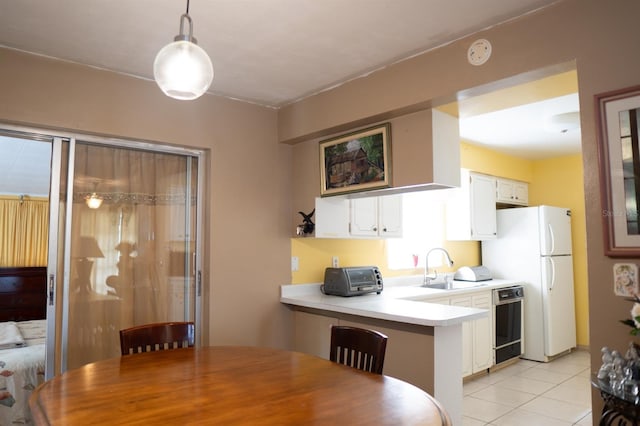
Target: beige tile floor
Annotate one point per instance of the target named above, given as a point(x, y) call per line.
point(532, 393)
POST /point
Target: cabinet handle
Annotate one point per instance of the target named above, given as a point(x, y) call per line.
point(384, 229)
point(375, 228)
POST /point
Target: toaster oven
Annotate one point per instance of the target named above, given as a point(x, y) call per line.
point(352, 281)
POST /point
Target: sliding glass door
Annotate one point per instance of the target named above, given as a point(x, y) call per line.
point(121, 240)
point(132, 245)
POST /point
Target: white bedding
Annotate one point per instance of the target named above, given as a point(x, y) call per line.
point(10, 335)
point(21, 371)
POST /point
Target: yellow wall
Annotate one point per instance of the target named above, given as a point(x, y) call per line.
point(483, 160)
point(559, 182)
point(543, 176)
point(315, 255)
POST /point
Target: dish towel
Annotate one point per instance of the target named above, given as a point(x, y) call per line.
point(10, 336)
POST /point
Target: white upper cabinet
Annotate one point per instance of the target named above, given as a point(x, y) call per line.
point(370, 217)
point(512, 192)
point(390, 216)
point(376, 216)
point(332, 217)
point(364, 217)
point(471, 209)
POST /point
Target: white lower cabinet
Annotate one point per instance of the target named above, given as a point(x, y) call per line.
point(482, 334)
point(467, 336)
point(477, 335)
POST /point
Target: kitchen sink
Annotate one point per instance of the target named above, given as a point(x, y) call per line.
point(455, 285)
point(440, 286)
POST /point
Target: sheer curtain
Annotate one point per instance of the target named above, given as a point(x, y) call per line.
point(24, 228)
point(124, 269)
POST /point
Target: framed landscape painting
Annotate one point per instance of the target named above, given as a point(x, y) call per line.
point(358, 161)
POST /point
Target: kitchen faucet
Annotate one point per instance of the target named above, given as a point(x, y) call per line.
point(427, 277)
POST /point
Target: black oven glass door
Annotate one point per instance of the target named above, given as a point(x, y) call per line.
point(508, 330)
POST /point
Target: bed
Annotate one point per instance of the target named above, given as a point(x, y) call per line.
point(22, 340)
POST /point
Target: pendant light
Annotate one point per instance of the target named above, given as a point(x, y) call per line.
point(182, 69)
point(93, 201)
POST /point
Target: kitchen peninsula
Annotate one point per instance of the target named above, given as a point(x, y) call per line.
point(425, 336)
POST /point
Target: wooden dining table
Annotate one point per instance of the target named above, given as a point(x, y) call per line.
point(225, 385)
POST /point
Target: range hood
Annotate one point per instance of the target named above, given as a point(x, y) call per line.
point(425, 153)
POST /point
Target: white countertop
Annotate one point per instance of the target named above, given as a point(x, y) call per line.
point(402, 300)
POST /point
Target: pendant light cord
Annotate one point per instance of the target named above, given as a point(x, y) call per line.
point(187, 7)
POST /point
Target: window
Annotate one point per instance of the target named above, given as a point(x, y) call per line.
point(423, 222)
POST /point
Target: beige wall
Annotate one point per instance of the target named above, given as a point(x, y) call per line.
point(598, 37)
point(411, 160)
point(248, 183)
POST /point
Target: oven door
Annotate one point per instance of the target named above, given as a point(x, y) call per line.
point(507, 329)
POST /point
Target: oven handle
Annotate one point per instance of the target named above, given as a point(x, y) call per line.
point(505, 302)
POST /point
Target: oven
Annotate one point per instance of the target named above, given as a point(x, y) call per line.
point(508, 324)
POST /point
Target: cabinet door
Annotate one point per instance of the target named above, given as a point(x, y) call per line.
point(364, 217)
point(332, 217)
point(512, 192)
point(467, 337)
point(504, 191)
point(390, 216)
point(482, 334)
point(483, 207)
point(521, 193)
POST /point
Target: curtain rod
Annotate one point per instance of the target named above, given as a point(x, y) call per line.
point(22, 197)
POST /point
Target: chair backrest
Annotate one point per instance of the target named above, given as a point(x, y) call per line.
point(157, 337)
point(358, 347)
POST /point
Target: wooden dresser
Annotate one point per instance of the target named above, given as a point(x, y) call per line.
point(23, 293)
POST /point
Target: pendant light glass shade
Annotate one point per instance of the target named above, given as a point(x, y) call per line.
point(93, 201)
point(182, 69)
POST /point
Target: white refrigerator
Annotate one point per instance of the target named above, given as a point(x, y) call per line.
point(533, 245)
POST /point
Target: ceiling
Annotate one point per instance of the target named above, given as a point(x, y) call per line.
point(271, 52)
point(538, 130)
point(278, 51)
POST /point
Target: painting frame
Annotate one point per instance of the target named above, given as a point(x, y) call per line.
point(619, 216)
point(357, 161)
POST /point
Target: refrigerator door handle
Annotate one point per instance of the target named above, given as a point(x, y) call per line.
point(551, 271)
point(552, 240)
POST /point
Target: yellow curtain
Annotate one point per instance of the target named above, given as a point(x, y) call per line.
point(24, 232)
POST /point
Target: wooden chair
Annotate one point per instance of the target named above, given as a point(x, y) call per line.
point(358, 348)
point(157, 337)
